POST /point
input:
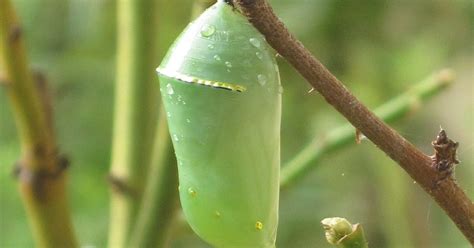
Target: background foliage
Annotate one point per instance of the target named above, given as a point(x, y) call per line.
point(377, 47)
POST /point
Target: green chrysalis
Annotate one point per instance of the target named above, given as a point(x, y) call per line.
point(221, 89)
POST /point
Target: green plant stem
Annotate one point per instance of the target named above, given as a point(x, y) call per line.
point(344, 135)
point(40, 171)
point(135, 113)
point(160, 199)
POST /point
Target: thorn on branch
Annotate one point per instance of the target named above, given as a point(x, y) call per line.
point(358, 136)
point(444, 159)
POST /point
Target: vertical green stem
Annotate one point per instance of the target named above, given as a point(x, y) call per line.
point(40, 171)
point(135, 113)
point(160, 199)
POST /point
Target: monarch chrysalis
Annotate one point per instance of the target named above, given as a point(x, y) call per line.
point(221, 89)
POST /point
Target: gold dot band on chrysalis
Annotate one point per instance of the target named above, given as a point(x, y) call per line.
point(199, 81)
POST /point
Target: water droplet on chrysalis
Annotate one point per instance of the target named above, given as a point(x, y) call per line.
point(207, 30)
point(188, 120)
point(262, 80)
point(192, 192)
point(217, 214)
point(280, 89)
point(169, 89)
point(259, 55)
point(217, 57)
point(168, 114)
point(210, 46)
point(175, 137)
point(259, 225)
point(228, 64)
point(255, 42)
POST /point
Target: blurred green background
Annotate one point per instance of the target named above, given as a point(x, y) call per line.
point(379, 48)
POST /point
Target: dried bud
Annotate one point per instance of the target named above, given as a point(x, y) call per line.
point(336, 228)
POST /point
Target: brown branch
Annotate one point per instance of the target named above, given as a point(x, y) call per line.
point(41, 170)
point(447, 193)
